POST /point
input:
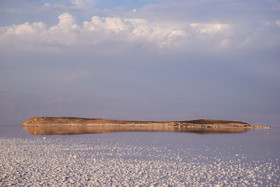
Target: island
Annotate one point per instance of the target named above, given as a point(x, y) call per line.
point(74, 121)
point(74, 125)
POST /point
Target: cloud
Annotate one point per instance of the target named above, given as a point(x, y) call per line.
point(99, 33)
point(66, 23)
point(113, 24)
point(209, 28)
point(26, 28)
point(68, 33)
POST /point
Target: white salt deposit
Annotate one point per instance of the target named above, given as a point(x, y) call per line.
point(65, 162)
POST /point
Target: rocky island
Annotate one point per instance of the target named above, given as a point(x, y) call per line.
point(73, 121)
point(73, 125)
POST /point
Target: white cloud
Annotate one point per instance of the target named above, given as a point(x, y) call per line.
point(65, 33)
point(66, 23)
point(26, 28)
point(209, 28)
point(68, 33)
point(100, 32)
point(278, 23)
point(113, 24)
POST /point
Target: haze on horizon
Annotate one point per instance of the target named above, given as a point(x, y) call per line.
point(140, 60)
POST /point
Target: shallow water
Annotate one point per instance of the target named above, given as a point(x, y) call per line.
point(73, 130)
point(140, 158)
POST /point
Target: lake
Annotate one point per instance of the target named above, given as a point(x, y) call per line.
point(139, 158)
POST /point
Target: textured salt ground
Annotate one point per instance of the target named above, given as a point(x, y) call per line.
point(59, 161)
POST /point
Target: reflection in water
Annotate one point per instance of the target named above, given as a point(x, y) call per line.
point(105, 129)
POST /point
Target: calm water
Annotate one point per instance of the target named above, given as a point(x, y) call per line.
point(248, 150)
point(256, 143)
point(259, 138)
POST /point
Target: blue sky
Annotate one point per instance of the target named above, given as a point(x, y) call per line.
point(140, 60)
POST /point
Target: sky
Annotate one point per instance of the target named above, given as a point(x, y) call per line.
point(140, 59)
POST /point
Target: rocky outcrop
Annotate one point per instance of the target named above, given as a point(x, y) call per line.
point(73, 121)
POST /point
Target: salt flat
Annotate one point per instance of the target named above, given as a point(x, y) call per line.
point(103, 161)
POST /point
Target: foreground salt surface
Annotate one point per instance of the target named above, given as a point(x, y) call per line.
point(42, 161)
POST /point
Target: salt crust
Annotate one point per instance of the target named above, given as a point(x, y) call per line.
point(65, 162)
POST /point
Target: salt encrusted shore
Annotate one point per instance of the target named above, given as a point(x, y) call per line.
point(84, 162)
point(73, 121)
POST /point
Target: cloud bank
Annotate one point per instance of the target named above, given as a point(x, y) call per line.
point(67, 33)
point(127, 32)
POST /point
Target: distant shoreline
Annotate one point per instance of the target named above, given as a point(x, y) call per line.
point(75, 121)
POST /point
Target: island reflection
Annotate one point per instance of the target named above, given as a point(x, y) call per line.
point(70, 130)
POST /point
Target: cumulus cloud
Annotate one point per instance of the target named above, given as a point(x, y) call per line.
point(26, 28)
point(66, 23)
point(98, 32)
point(113, 24)
point(68, 33)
